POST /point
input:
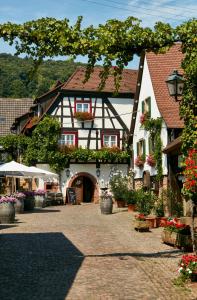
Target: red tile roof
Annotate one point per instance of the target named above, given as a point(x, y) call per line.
point(75, 82)
point(160, 67)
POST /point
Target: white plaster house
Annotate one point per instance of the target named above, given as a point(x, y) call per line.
point(109, 126)
point(152, 97)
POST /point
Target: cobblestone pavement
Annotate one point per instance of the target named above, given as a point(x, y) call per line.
point(75, 253)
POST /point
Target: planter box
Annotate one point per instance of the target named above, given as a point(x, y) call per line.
point(40, 201)
point(176, 239)
point(141, 226)
point(169, 237)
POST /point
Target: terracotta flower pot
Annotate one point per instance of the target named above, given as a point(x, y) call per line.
point(151, 221)
point(163, 221)
point(120, 203)
point(131, 207)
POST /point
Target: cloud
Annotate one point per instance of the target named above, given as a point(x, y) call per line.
point(168, 11)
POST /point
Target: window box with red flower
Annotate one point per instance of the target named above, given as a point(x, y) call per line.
point(139, 161)
point(150, 160)
point(143, 118)
point(83, 116)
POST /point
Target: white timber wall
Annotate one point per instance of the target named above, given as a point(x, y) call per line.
point(103, 181)
point(146, 91)
point(123, 106)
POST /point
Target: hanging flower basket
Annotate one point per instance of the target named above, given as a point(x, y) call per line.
point(139, 161)
point(150, 160)
point(83, 116)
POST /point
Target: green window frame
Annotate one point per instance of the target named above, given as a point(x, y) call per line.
point(141, 148)
point(146, 106)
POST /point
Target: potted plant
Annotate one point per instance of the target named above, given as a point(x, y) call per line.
point(130, 200)
point(139, 161)
point(145, 201)
point(19, 203)
point(159, 211)
point(7, 211)
point(40, 200)
point(177, 234)
point(118, 186)
point(140, 223)
point(106, 203)
point(29, 201)
point(188, 267)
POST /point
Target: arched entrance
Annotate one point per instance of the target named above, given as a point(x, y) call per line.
point(86, 187)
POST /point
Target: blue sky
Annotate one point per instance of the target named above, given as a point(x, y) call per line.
point(96, 12)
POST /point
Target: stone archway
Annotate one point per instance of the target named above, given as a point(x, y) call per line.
point(95, 196)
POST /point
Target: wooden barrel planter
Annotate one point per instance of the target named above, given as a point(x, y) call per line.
point(106, 205)
point(29, 203)
point(19, 206)
point(7, 213)
point(40, 201)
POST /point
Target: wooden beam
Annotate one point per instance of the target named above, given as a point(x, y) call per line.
point(92, 125)
point(118, 118)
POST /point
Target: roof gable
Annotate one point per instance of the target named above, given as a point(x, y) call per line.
point(160, 67)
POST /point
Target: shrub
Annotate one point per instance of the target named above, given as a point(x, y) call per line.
point(145, 201)
point(119, 186)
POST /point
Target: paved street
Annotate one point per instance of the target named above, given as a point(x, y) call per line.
point(74, 252)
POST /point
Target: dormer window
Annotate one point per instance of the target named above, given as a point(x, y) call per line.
point(83, 105)
point(146, 107)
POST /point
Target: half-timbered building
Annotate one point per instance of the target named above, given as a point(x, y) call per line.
point(107, 125)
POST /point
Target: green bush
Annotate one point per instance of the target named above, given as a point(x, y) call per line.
point(145, 201)
point(119, 186)
point(130, 197)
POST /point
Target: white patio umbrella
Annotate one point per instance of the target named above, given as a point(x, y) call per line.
point(14, 169)
point(44, 173)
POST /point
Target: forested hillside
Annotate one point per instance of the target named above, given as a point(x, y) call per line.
point(16, 80)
